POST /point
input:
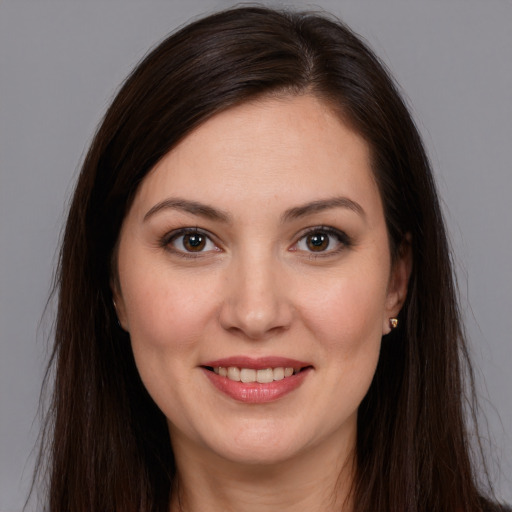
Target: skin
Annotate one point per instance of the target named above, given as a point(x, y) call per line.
point(257, 289)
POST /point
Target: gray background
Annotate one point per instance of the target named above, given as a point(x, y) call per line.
point(60, 64)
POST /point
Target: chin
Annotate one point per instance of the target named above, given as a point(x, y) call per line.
point(259, 456)
point(262, 446)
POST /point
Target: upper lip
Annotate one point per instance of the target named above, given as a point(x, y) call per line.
point(259, 363)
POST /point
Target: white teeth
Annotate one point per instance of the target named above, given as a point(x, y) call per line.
point(247, 375)
point(264, 376)
point(233, 373)
point(278, 373)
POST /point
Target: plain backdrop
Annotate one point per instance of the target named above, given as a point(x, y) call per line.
point(62, 61)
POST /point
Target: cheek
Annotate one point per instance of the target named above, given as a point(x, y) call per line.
point(346, 313)
point(166, 314)
point(167, 317)
point(344, 318)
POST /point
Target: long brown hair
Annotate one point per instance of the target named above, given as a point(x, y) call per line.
point(108, 443)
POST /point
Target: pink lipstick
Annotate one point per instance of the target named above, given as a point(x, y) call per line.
point(256, 380)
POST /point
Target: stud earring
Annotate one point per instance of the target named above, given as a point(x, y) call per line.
point(393, 322)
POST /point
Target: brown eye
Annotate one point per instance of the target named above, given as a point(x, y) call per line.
point(191, 242)
point(194, 242)
point(323, 240)
point(317, 241)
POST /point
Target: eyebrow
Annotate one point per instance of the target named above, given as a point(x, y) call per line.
point(321, 205)
point(192, 207)
point(203, 210)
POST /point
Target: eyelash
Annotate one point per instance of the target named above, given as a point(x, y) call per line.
point(342, 240)
point(169, 238)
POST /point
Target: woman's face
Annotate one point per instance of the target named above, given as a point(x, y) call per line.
point(254, 249)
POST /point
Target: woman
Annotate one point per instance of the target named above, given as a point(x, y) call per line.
point(256, 303)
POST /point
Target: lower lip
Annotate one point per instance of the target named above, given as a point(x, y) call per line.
point(255, 392)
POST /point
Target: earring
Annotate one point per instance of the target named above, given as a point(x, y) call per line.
point(393, 323)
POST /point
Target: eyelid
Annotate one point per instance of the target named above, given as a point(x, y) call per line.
point(168, 238)
point(343, 240)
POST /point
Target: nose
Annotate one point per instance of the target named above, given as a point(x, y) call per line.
point(256, 305)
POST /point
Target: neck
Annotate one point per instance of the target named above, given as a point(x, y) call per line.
point(316, 480)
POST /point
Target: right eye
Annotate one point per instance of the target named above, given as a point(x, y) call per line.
point(191, 241)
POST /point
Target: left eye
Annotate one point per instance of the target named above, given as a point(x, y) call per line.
point(321, 240)
point(191, 242)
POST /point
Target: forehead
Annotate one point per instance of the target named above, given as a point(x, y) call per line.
point(273, 151)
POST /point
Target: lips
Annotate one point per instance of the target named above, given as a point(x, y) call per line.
point(256, 380)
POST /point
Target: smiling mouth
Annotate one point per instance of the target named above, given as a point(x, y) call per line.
point(249, 375)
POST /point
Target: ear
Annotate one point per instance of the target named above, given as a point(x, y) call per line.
point(119, 304)
point(398, 283)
